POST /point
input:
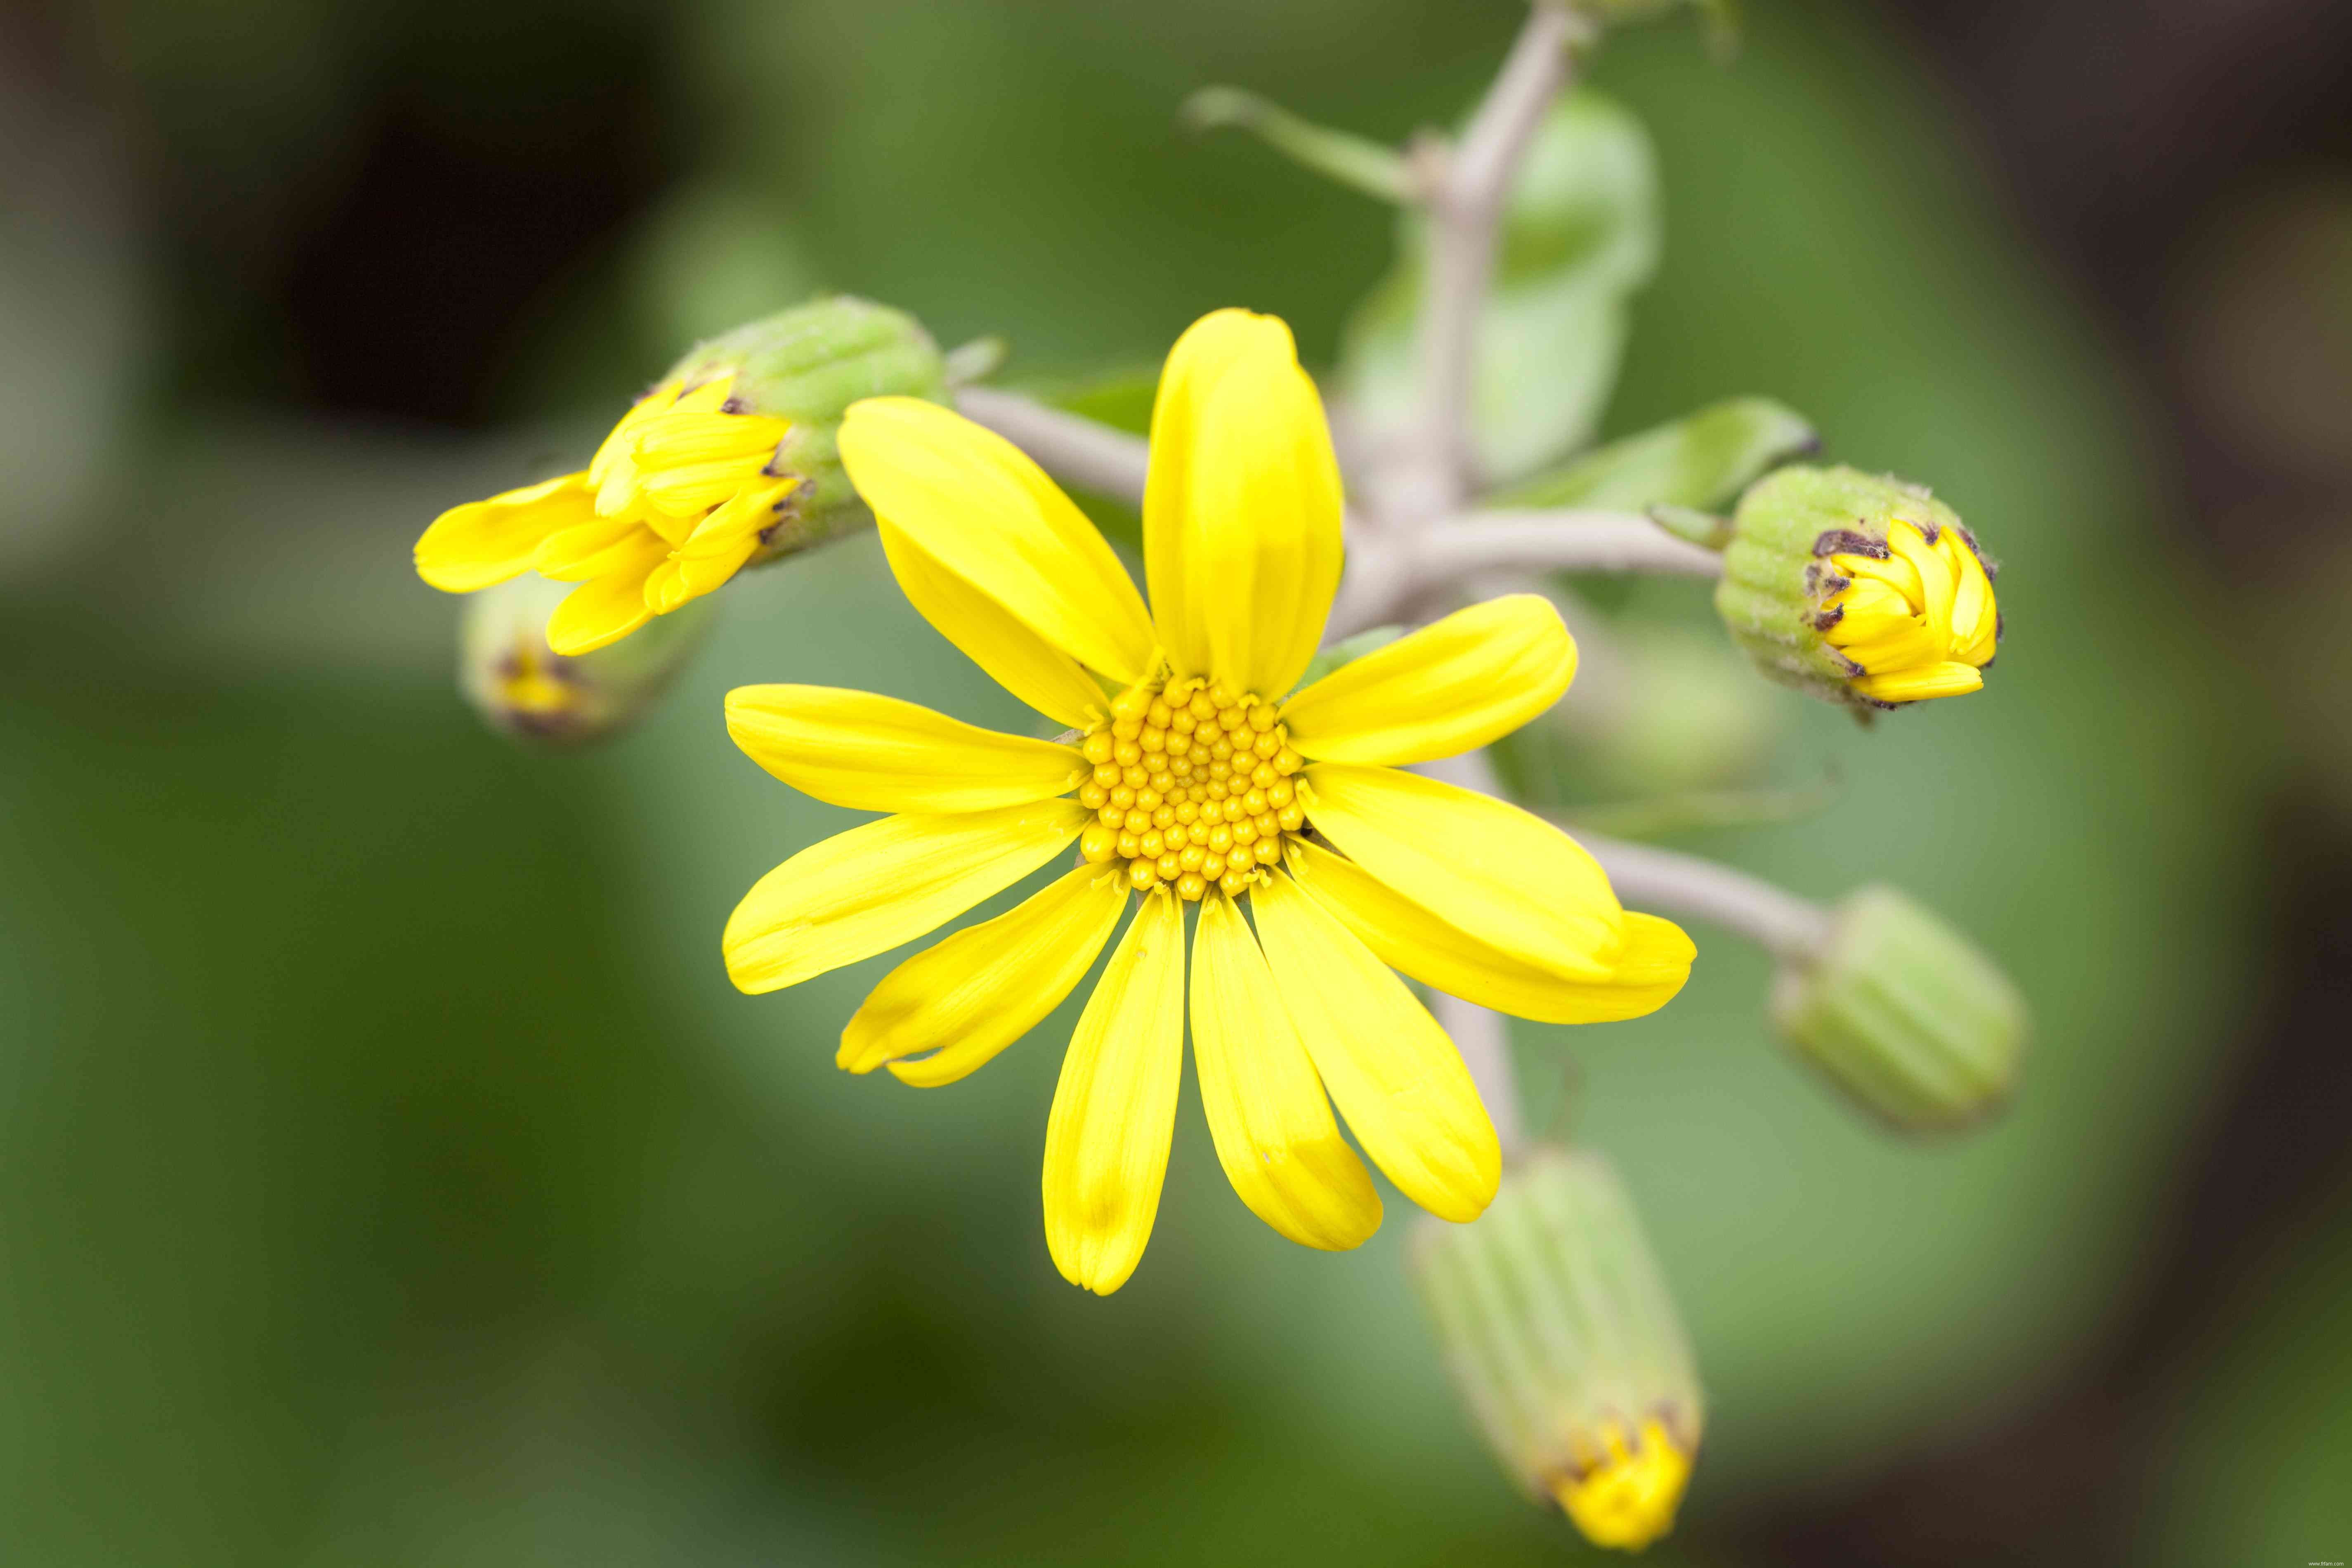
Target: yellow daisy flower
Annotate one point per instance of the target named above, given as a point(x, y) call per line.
point(1205, 779)
point(673, 503)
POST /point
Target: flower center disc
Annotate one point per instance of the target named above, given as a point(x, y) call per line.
point(1191, 788)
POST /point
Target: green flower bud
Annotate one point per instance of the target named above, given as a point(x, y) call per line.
point(525, 690)
point(1857, 588)
point(730, 460)
point(1905, 1014)
point(1560, 1336)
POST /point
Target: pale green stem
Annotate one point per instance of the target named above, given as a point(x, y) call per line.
point(1350, 160)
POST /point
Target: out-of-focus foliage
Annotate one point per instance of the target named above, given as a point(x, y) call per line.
point(395, 1177)
point(1701, 460)
point(1580, 236)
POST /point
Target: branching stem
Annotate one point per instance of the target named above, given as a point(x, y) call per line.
point(1067, 445)
point(1389, 572)
point(1667, 882)
point(1466, 188)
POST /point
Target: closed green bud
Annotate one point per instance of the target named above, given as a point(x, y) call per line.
point(1559, 1334)
point(1858, 588)
point(1906, 1015)
point(525, 689)
point(731, 459)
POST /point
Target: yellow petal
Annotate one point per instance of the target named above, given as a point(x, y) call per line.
point(1015, 657)
point(740, 520)
point(1243, 505)
point(587, 550)
point(1920, 683)
point(978, 506)
point(606, 608)
point(1114, 1109)
point(687, 439)
point(878, 753)
point(688, 463)
point(703, 397)
point(1896, 571)
point(866, 890)
point(987, 986)
point(1507, 878)
point(1908, 648)
point(709, 571)
point(1871, 612)
point(1651, 967)
point(665, 590)
point(1936, 583)
point(1392, 1072)
point(1266, 1110)
point(1448, 688)
point(613, 471)
point(488, 541)
point(1973, 623)
point(1209, 348)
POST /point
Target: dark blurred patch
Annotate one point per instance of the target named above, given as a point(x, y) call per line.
point(2069, 1480)
point(2120, 126)
point(2134, 135)
point(397, 192)
point(826, 1408)
point(406, 298)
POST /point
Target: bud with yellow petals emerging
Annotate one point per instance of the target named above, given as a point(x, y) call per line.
point(1559, 1334)
point(1913, 1021)
point(728, 461)
point(528, 691)
point(1858, 588)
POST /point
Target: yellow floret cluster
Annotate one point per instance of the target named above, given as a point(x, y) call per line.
point(1628, 1499)
point(1193, 788)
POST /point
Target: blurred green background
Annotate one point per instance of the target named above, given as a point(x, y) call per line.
point(390, 1175)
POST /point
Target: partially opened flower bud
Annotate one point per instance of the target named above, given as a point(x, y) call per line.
point(1560, 1336)
point(1858, 588)
point(1906, 1015)
point(728, 461)
point(525, 690)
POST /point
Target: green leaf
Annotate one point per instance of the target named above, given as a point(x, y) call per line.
point(1580, 236)
point(1703, 460)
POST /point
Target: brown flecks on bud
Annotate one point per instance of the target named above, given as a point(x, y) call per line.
point(1846, 541)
